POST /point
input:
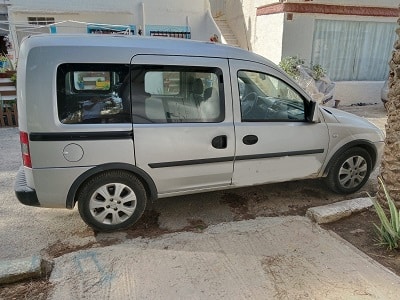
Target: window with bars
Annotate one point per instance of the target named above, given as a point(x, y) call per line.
point(182, 32)
point(111, 29)
point(181, 35)
point(40, 20)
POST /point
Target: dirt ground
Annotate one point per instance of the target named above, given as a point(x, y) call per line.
point(359, 229)
point(193, 214)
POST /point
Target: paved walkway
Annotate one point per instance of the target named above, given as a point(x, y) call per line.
point(266, 258)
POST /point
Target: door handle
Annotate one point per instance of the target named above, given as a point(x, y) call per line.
point(250, 139)
point(220, 142)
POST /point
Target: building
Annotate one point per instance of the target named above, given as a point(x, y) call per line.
point(180, 19)
point(351, 39)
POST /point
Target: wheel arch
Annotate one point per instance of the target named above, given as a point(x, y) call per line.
point(145, 179)
point(366, 145)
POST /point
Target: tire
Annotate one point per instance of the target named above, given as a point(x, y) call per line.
point(112, 200)
point(349, 171)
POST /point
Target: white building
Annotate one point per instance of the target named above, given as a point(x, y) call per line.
point(351, 39)
point(184, 19)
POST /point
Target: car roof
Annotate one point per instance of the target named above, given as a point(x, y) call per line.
point(146, 45)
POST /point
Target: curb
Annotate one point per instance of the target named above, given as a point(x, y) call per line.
point(336, 211)
point(16, 270)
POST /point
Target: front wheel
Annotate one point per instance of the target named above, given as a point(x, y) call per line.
point(349, 171)
point(112, 200)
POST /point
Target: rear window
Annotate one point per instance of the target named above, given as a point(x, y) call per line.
point(91, 93)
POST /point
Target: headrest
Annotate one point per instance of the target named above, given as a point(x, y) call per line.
point(198, 86)
point(207, 93)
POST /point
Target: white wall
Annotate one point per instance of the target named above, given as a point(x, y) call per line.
point(156, 12)
point(351, 92)
point(381, 3)
point(240, 17)
point(298, 36)
point(269, 38)
point(128, 12)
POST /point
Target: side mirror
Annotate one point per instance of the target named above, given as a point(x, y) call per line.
point(312, 112)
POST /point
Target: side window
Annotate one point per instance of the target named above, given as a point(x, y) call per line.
point(177, 94)
point(266, 98)
point(91, 94)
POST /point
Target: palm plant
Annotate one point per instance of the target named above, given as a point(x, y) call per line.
point(389, 229)
point(390, 165)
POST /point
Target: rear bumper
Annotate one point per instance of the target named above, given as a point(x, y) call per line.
point(25, 194)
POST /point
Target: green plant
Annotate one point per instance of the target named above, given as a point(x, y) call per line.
point(389, 229)
point(318, 71)
point(289, 65)
point(13, 77)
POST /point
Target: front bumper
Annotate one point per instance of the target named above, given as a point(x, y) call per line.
point(25, 194)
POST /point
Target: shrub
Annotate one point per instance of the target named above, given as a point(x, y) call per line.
point(389, 229)
point(290, 65)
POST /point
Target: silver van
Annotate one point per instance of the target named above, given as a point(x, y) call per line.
point(114, 122)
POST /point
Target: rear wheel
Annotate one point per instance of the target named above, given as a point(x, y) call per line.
point(349, 171)
point(112, 200)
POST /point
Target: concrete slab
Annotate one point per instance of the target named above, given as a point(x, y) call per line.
point(335, 211)
point(265, 258)
point(20, 269)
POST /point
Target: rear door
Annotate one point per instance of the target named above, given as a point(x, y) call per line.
point(183, 128)
point(274, 141)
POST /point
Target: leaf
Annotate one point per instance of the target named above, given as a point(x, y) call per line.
point(394, 213)
point(384, 220)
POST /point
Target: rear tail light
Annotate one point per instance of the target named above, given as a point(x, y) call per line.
point(26, 155)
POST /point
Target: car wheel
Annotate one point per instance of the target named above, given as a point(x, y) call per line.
point(349, 171)
point(112, 200)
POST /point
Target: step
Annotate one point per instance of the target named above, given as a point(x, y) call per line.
point(10, 83)
point(8, 98)
point(9, 87)
point(8, 93)
point(226, 32)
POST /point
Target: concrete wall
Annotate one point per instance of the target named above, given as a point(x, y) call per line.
point(241, 17)
point(381, 3)
point(128, 12)
point(351, 92)
point(268, 41)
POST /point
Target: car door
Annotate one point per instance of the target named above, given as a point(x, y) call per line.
point(183, 125)
point(274, 140)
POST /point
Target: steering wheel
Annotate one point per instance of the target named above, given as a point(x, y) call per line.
point(249, 102)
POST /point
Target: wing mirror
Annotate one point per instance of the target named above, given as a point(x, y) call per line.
point(312, 115)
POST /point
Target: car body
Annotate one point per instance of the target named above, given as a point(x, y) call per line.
point(115, 122)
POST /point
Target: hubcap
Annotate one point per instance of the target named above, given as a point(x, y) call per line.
point(353, 172)
point(112, 203)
